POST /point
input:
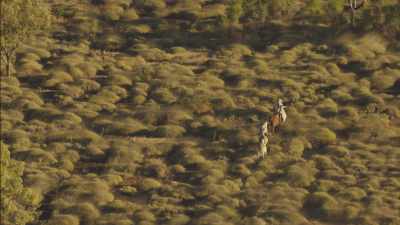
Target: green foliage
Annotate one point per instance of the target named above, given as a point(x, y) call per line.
point(16, 200)
point(62, 219)
point(180, 219)
point(149, 184)
point(151, 4)
point(130, 15)
point(162, 127)
point(300, 175)
point(20, 21)
point(234, 11)
point(170, 131)
point(322, 205)
point(323, 136)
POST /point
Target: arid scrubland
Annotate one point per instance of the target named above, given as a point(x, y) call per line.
point(127, 115)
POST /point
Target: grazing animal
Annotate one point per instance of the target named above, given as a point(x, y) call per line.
point(278, 119)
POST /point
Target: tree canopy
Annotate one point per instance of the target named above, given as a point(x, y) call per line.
point(19, 21)
point(15, 199)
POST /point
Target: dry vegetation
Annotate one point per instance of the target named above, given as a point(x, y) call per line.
point(195, 102)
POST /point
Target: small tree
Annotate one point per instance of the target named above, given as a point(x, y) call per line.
point(20, 20)
point(234, 11)
point(15, 199)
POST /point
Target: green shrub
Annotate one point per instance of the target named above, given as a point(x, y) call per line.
point(171, 131)
point(128, 190)
point(211, 218)
point(112, 179)
point(296, 147)
point(140, 29)
point(130, 63)
point(36, 155)
point(151, 4)
point(178, 168)
point(285, 216)
point(254, 221)
point(121, 80)
point(237, 51)
point(322, 136)
point(111, 42)
point(242, 169)
point(112, 12)
point(233, 76)
point(125, 155)
point(37, 52)
point(62, 219)
point(300, 176)
point(322, 205)
point(123, 126)
point(176, 116)
point(86, 26)
point(114, 219)
point(156, 168)
point(212, 81)
point(148, 184)
point(77, 135)
point(163, 95)
point(130, 15)
point(180, 219)
point(353, 194)
point(223, 102)
point(152, 54)
point(141, 88)
point(96, 191)
point(350, 212)
point(58, 77)
point(71, 90)
point(338, 151)
point(18, 139)
point(29, 68)
point(324, 185)
point(17, 203)
point(139, 99)
point(327, 107)
point(86, 211)
point(382, 80)
point(89, 68)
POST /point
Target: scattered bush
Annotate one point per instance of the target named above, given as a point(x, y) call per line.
point(353, 194)
point(322, 205)
point(150, 184)
point(86, 211)
point(17, 201)
point(328, 107)
point(113, 12)
point(323, 136)
point(61, 219)
point(171, 131)
point(151, 4)
point(163, 95)
point(300, 176)
point(130, 15)
point(180, 219)
point(382, 80)
point(58, 77)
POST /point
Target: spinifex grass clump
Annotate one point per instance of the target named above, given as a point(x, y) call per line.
point(144, 112)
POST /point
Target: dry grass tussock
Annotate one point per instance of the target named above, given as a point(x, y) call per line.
point(162, 127)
